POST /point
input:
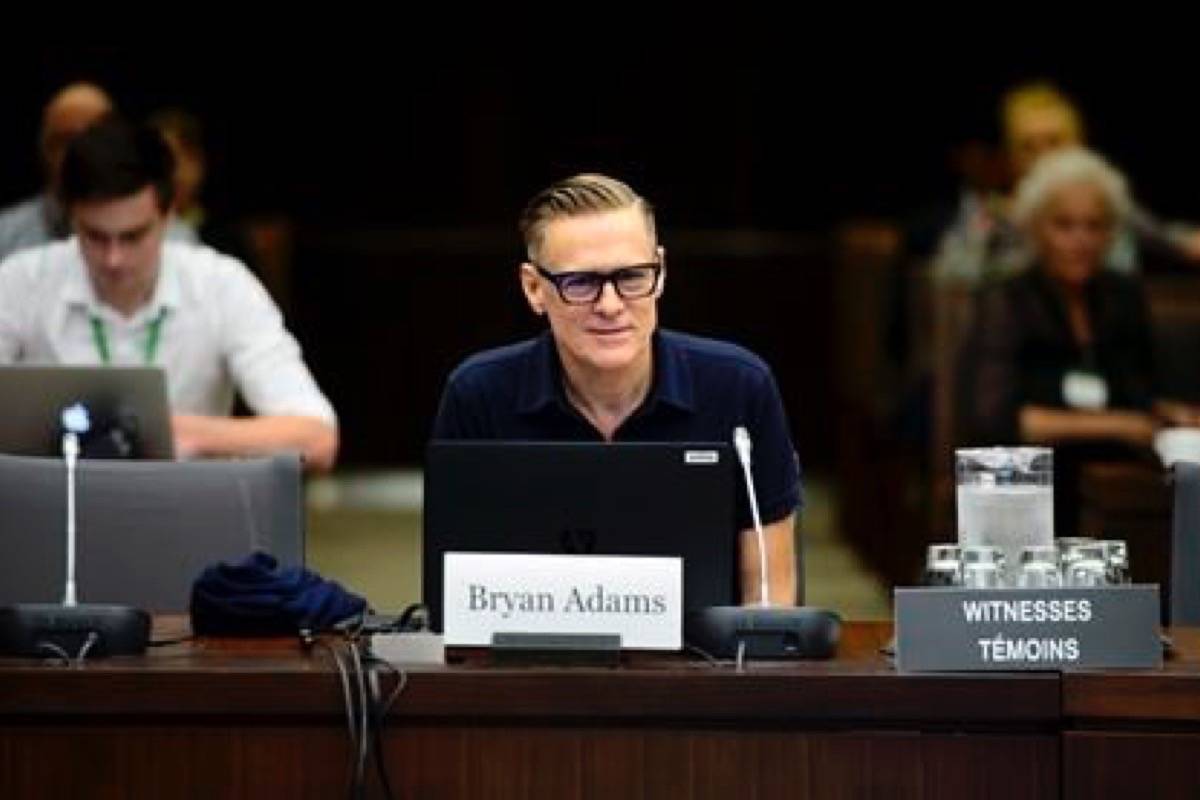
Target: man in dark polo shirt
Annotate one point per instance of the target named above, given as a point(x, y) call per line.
point(605, 372)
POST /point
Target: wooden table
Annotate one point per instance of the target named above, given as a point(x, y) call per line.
point(265, 719)
point(1135, 734)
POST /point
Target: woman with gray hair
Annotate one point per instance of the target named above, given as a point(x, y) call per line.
point(1060, 354)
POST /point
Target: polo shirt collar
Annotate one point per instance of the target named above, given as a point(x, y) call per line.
point(541, 382)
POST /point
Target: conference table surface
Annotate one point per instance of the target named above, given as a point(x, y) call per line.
point(265, 717)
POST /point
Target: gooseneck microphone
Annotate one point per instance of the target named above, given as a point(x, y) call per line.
point(762, 630)
point(75, 422)
point(71, 631)
point(743, 446)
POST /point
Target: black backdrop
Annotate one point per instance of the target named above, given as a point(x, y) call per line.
point(404, 162)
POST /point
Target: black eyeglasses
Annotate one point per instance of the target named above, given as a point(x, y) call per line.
point(583, 287)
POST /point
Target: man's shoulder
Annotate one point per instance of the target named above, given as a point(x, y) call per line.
point(25, 209)
point(495, 364)
point(207, 271)
point(716, 355)
point(38, 263)
point(197, 256)
point(23, 225)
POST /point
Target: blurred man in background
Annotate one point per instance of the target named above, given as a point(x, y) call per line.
point(40, 219)
point(983, 243)
point(117, 293)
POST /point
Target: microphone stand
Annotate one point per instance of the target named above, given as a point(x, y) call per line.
point(762, 631)
point(69, 630)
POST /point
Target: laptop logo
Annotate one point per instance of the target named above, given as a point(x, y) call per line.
point(701, 456)
point(578, 541)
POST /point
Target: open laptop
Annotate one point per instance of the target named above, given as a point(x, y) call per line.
point(34, 397)
point(636, 499)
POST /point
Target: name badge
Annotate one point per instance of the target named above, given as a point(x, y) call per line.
point(638, 598)
point(1085, 391)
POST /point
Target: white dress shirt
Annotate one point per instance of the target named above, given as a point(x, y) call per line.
point(220, 332)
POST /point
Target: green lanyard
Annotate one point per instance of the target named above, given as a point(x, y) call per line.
point(100, 338)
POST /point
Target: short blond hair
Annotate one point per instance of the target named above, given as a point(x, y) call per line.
point(1038, 96)
point(578, 196)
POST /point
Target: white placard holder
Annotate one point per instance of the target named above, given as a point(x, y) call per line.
point(639, 599)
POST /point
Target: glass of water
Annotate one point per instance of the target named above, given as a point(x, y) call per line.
point(1005, 499)
point(1069, 543)
point(943, 565)
point(1085, 572)
point(1116, 557)
point(982, 567)
point(1081, 549)
point(1039, 568)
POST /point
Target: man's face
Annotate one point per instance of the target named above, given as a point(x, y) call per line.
point(121, 242)
point(1037, 131)
point(1073, 232)
point(611, 334)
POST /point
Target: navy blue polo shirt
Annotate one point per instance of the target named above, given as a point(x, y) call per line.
point(702, 389)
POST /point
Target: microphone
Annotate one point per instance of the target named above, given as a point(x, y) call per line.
point(75, 422)
point(743, 446)
point(761, 631)
point(69, 630)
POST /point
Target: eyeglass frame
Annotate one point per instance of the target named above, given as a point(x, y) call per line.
point(604, 278)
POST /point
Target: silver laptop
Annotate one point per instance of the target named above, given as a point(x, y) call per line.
point(32, 399)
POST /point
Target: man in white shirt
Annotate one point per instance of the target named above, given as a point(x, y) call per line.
point(117, 293)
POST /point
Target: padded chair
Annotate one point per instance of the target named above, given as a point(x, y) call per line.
point(146, 529)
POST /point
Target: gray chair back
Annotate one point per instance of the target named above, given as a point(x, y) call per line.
point(146, 529)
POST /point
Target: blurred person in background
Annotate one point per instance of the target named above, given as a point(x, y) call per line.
point(183, 133)
point(1060, 354)
point(41, 219)
point(985, 243)
point(263, 242)
point(118, 293)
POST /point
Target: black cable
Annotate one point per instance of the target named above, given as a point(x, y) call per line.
point(364, 743)
point(414, 618)
point(63, 657)
point(381, 712)
point(377, 722)
point(366, 710)
point(710, 658)
point(92, 639)
point(348, 707)
point(401, 682)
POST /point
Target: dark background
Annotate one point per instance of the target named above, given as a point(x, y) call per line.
point(402, 162)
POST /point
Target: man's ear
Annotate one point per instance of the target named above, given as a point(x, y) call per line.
point(662, 278)
point(532, 286)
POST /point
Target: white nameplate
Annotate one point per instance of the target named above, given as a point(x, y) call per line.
point(640, 599)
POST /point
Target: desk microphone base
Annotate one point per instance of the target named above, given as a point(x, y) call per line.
point(38, 630)
point(766, 632)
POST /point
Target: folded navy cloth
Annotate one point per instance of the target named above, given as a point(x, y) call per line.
point(254, 598)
